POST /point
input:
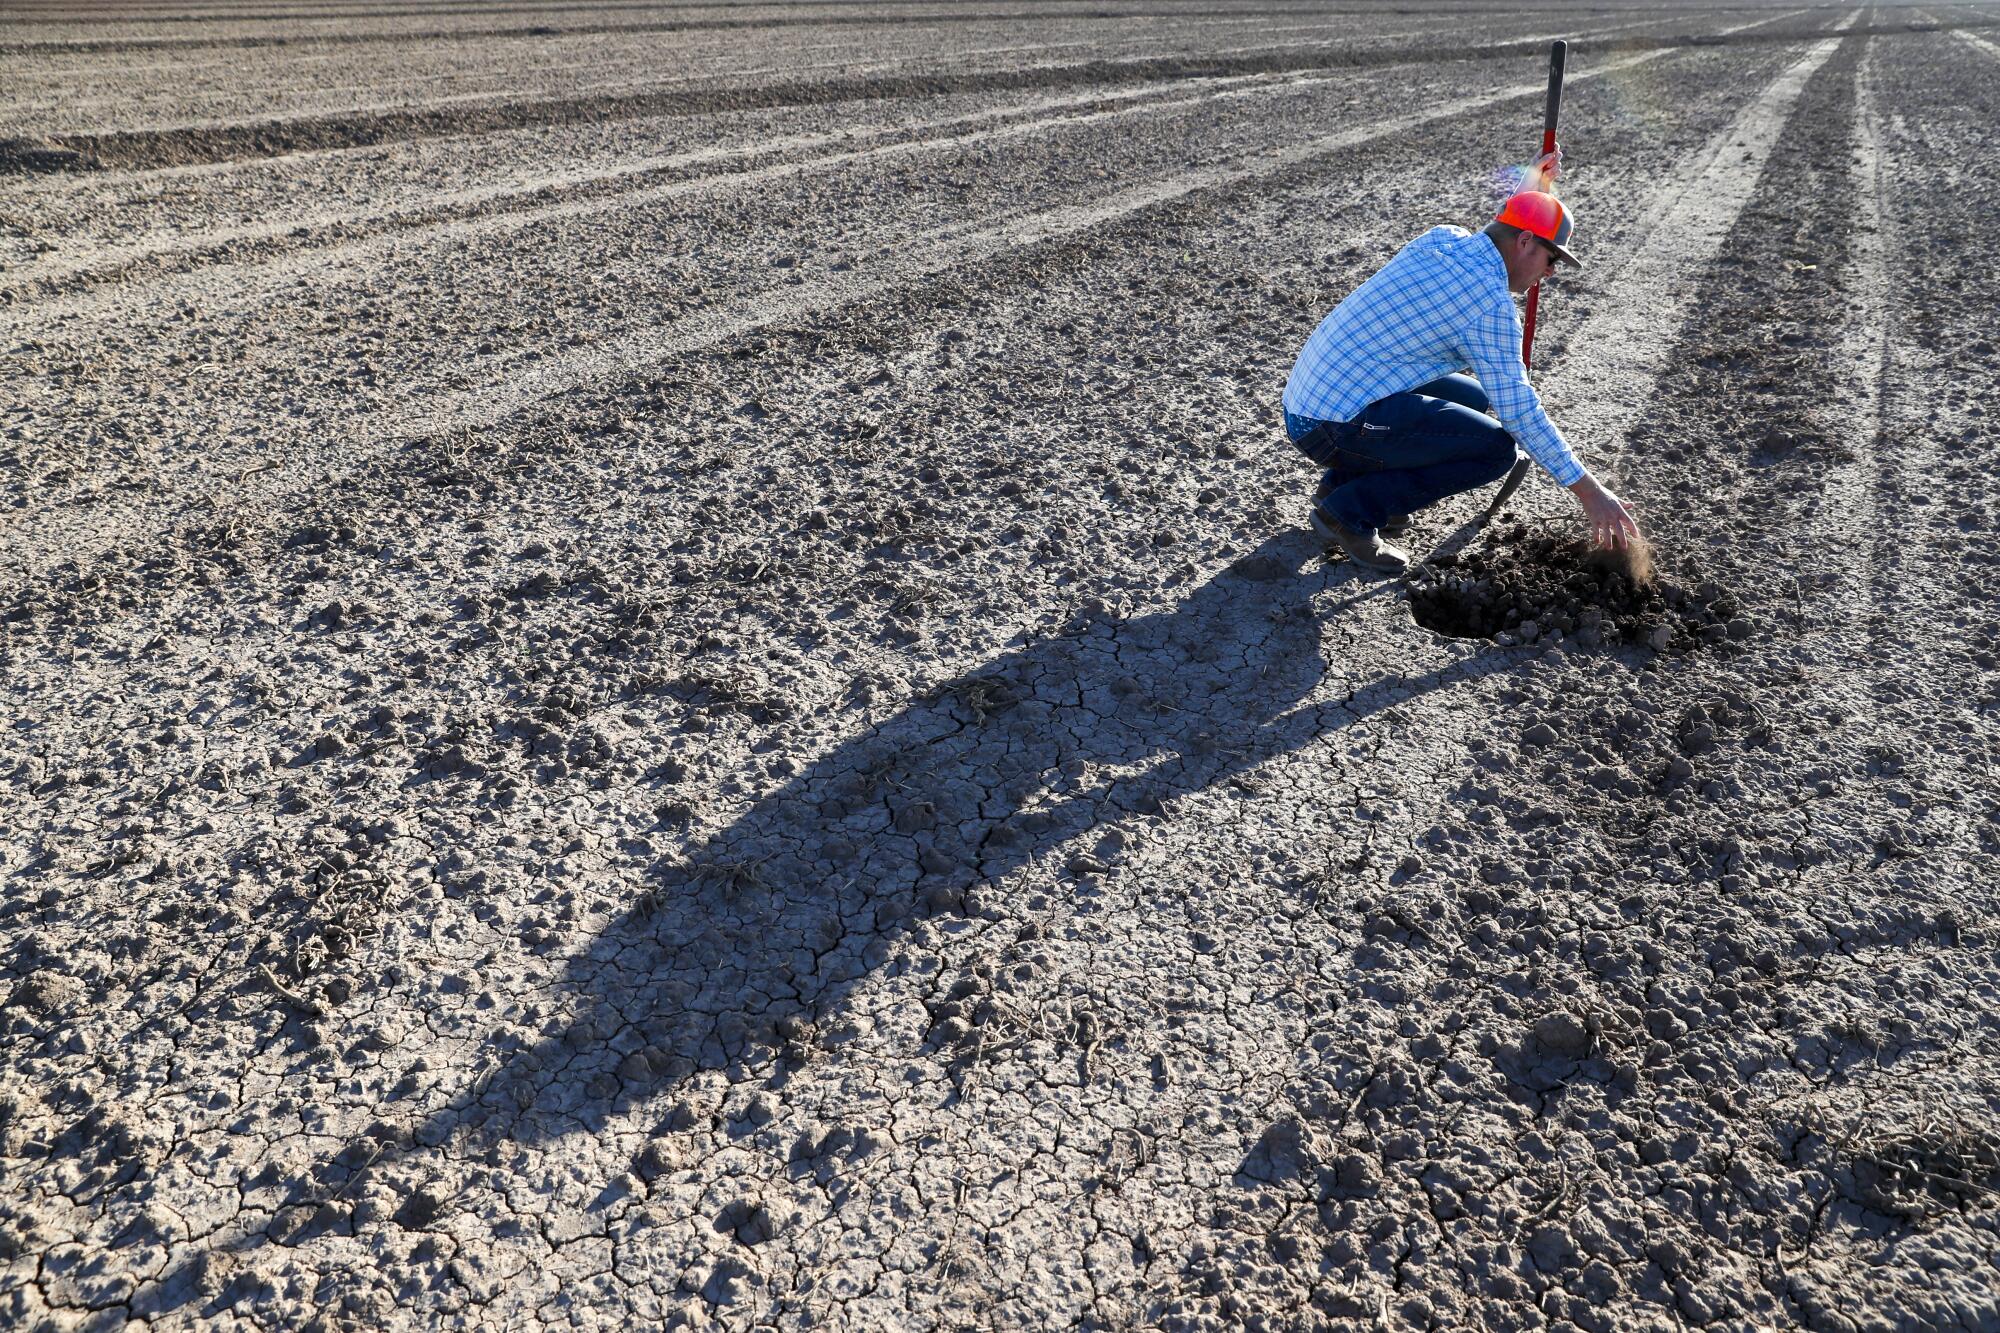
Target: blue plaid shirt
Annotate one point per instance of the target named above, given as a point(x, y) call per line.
point(1439, 307)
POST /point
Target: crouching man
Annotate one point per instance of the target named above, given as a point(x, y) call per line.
point(1378, 397)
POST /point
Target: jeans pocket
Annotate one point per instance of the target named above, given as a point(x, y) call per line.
point(1366, 445)
point(1322, 444)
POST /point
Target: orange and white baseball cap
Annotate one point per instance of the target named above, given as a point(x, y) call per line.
point(1543, 215)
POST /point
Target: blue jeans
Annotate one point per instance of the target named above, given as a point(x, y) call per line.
point(1406, 451)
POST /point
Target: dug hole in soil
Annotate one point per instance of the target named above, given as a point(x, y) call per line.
point(1525, 587)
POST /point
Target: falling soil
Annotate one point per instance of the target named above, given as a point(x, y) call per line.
point(1635, 558)
point(1527, 588)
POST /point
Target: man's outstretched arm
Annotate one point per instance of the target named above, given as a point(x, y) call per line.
point(1495, 351)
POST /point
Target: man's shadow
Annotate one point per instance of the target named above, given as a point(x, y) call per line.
point(742, 947)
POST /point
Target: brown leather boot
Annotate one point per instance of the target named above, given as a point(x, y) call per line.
point(1393, 526)
point(1366, 549)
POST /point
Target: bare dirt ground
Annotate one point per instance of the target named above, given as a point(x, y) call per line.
point(662, 670)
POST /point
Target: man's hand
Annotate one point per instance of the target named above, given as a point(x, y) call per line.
point(1611, 525)
point(1542, 172)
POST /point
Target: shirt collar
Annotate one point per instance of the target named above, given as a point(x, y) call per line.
point(1487, 256)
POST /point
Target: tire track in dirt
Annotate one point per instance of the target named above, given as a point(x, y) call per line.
point(1920, 523)
point(1979, 44)
point(1855, 558)
point(1858, 557)
point(1884, 528)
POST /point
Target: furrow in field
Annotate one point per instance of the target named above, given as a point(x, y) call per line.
point(1855, 549)
point(338, 34)
point(1854, 582)
point(342, 228)
point(1933, 442)
point(1889, 531)
point(270, 138)
point(237, 283)
point(151, 107)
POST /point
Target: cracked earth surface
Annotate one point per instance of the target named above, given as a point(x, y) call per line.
point(662, 667)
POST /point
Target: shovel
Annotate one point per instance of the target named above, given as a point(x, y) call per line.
point(1553, 108)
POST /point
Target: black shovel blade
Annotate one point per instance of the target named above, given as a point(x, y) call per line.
point(1507, 489)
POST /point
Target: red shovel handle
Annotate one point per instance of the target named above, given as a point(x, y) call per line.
point(1551, 112)
point(1553, 109)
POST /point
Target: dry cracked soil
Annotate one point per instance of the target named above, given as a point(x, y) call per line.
point(662, 670)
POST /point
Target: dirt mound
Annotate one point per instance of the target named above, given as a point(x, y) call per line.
point(1532, 588)
point(18, 155)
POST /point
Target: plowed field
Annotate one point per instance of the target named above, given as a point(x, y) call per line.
point(662, 669)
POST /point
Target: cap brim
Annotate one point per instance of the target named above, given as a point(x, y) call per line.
point(1574, 262)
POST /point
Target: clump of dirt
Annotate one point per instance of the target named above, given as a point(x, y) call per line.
point(1526, 588)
